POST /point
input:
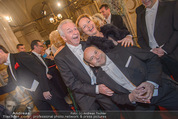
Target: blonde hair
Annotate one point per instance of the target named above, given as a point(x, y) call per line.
point(99, 20)
point(56, 39)
point(82, 34)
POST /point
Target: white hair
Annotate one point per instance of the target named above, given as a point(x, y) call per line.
point(59, 28)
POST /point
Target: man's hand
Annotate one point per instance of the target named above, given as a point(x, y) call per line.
point(159, 51)
point(47, 95)
point(133, 96)
point(127, 41)
point(105, 90)
point(145, 91)
point(49, 76)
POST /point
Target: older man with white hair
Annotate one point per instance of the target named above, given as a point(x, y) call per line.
point(78, 76)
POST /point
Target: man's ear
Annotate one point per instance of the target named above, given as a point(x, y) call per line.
point(64, 38)
point(109, 10)
point(35, 46)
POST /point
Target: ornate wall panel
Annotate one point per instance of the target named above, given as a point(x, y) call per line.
point(89, 9)
point(130, 6)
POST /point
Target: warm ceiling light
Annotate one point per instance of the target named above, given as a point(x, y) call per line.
point(51, 20)
point(58, 4)
point(8, 18)
point(43, 12)
point(59, 16)
point(55, 18)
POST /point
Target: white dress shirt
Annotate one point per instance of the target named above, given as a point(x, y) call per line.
point(115, 73)
point(34, 84)
point(150, 18)
point(108, 20)
point(78, 52)
point(8, 63)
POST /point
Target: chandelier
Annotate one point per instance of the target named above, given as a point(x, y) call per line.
point(55, 18)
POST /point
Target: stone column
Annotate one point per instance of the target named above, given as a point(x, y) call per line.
point(8, 39)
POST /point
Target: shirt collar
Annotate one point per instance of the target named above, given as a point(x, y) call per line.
point(154, 8)
point(108, 62)
point(38, 55)
point(74, 48)
point(109, 18)
point(8, 60)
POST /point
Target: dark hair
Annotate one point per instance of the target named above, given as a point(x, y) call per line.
point(104, 5)
point(3, 48)
point(19, 45)
point(101, 42)
point(114, 32)
point(33, 43)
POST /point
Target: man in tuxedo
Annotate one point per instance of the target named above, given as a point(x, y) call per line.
point(53, 78)
point(124, 70)
point(78, 76)
point(157, 31)
point(110, 18)
point(115, 20)
point(26, 72)
point(37, 48)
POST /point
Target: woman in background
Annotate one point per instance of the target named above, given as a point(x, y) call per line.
point(57, 43)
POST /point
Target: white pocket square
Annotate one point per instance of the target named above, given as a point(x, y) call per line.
point(128, 61)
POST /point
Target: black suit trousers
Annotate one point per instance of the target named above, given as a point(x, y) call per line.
point(170, 66)
point(167, 95)
point(57, 102)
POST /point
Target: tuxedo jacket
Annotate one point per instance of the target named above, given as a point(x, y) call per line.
point(38, 60)
point(142, 66)
point(165, 30)
point(48, 62)
point(117, 20)
point(76, 77)
point(26, 69)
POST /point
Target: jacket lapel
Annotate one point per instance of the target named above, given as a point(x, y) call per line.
point(119, 61)
point(160, 11)
point(74, 59)
point(103, 78)
point(143, 22)
point(38, 59)
point(112, 19)
point(12, 65)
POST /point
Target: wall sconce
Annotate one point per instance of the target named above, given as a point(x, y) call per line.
point(54, 19)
